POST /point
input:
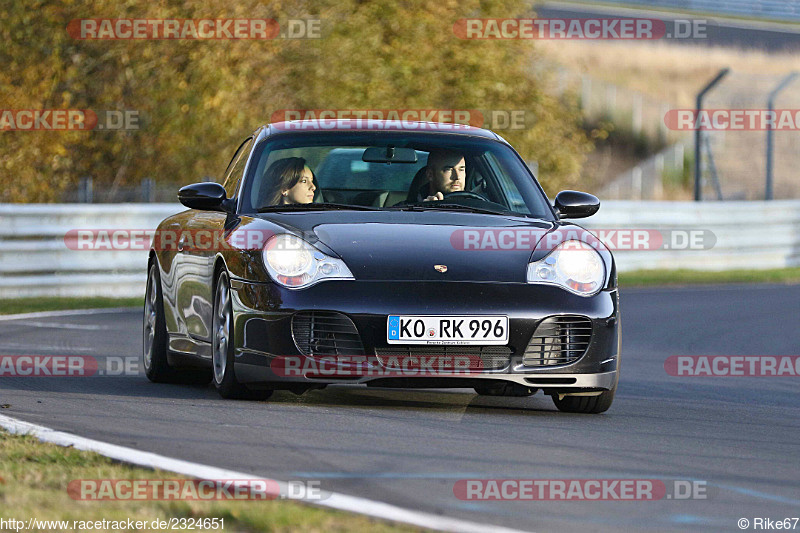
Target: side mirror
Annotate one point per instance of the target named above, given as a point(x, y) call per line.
point(575, 204)
point(208, 196)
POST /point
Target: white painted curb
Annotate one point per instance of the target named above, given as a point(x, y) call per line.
point(69, 312)
point(333, 500)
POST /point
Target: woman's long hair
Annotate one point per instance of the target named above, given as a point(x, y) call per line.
point(283, 174)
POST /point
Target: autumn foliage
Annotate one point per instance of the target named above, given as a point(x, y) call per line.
point(198, 98)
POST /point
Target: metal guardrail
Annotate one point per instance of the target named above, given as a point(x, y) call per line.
point(769, 9)
point(35, 260)
point(748, 235)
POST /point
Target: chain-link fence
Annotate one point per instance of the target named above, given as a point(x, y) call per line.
point(734, 157)
point(636, 120)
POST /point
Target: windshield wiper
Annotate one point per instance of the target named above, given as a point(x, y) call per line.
point(436, 205)
point(315, 207)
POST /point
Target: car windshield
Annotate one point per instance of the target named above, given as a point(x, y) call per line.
point(390, 171)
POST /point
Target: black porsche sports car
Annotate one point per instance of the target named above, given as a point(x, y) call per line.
point(390, 254)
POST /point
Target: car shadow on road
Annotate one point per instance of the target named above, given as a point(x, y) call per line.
point(357, 396)
point(423, 399)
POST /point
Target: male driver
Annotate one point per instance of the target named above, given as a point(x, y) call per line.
point(446, 172)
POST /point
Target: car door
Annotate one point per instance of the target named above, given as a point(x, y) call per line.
point(198, 252)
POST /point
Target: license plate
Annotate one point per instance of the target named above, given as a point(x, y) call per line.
point(447, 329)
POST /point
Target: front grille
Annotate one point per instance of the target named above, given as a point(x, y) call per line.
point(479, 357)
point(325, 333)
point(558, 340)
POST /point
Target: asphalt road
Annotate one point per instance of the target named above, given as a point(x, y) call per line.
point(740, 435)
point(726, 32)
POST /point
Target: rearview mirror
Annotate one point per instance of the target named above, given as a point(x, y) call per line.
point(390, 154)
point(576, 204)
point(208, 196)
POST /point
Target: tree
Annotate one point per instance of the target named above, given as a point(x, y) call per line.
point(198, 99)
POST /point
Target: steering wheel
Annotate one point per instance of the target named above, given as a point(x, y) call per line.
point(466, 194)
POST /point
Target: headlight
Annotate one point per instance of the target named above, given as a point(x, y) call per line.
point(295, 264)
point(573, 265)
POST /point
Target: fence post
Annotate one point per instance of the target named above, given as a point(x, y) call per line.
point(771, 107)
point(586, 93)
point(698, 148)
point(658, 183)
point(662, 126)
point(85, 192)
point(611, 99)
point(636, 183)
point(148, 191)
point(713, 168)
point(636, 116)
point(677, 156)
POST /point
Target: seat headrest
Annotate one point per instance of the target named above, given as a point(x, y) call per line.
point(415, 190)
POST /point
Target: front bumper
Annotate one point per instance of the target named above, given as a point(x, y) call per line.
point(263, 316)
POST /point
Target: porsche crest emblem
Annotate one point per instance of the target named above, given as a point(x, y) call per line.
point(440, 268)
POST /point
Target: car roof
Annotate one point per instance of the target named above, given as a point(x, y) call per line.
point(392, 126)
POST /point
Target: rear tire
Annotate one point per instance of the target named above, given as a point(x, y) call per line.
point(586, 404)
point(155, 345)
point(222, 346)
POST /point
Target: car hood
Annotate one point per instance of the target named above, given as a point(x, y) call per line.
point(408, 246)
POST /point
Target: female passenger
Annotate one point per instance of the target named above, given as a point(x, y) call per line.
point(289, 181)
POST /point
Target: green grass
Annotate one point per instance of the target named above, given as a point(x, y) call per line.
point(31, 305)
point(34, 477)
point(692, 277)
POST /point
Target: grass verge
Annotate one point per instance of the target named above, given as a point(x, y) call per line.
point(32, 305)
point(691, 277)
point(33, 484)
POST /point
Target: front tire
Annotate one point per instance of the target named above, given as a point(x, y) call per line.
point(586, 404)
point(222, 334)
point(506, 389)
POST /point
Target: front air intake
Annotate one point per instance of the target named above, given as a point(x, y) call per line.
point(558, 340)
point(475, 358)
point(325, 333)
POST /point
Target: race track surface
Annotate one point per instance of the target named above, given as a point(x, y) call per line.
point(739, 435)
